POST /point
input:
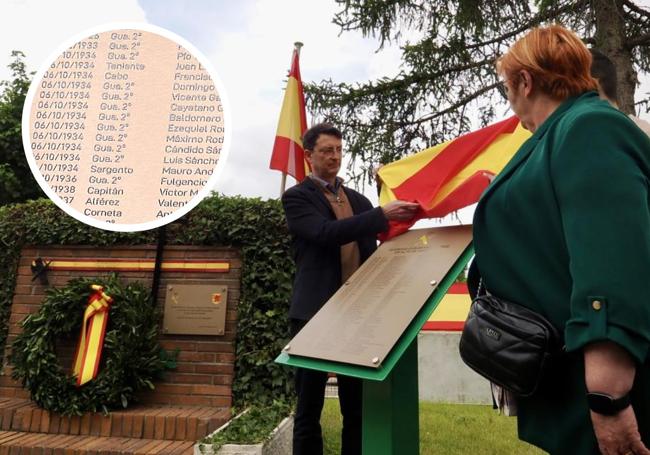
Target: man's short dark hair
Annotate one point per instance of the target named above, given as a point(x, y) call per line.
point(603, 69)
point(311, 135)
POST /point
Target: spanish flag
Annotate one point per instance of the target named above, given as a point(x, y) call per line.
point(288, 155)
point(451, 175)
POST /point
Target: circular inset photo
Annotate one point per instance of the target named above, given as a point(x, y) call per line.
point(126, 127)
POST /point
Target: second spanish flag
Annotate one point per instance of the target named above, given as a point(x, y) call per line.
point(288, 155)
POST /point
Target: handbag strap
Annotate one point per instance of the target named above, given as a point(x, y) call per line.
point(482, 290)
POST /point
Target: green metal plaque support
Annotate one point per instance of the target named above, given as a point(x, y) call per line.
point(390, 409)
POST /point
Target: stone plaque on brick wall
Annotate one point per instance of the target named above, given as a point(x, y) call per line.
point(195, 309)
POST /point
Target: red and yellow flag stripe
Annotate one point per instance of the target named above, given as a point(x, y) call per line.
point(452, 310)
point(288, 155)
point(451, 175)
point(130, 265)
point(91, 339)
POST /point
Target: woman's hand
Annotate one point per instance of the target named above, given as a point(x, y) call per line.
point(618, 434)
point(610, 369)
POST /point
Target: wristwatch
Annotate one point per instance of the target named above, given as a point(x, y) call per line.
point(601, 403)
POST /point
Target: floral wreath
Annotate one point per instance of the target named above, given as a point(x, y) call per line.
point(131, 358)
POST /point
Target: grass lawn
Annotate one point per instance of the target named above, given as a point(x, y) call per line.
point(446, 429)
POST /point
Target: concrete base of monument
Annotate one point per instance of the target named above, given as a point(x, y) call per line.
point(280, 442)
point(442, 375)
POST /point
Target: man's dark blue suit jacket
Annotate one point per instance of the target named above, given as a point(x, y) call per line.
point(317, 237)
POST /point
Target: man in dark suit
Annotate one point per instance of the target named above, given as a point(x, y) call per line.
point(333, 231)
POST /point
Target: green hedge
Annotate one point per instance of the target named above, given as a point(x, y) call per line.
point(254, 226)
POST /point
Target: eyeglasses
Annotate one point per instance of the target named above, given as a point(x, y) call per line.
point(330, 151)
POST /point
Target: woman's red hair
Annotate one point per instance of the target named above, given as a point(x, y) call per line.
point(556, 58)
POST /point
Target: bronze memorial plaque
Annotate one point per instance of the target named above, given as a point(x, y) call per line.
point(364, 319)
point(195, 309)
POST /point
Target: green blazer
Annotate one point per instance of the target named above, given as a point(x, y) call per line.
point(566, 224)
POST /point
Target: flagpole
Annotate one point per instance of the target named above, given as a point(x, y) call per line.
point(283, 184)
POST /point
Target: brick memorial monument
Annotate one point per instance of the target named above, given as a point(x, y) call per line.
point(189, 402)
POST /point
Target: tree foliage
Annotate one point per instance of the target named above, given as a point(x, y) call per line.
point(447, 76)
point(17, 183)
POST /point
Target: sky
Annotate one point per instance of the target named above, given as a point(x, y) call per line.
point(249, 43)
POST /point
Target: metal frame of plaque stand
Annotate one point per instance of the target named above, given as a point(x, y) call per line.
point(390, 391)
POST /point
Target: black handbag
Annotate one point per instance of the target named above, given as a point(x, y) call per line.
point(508, 344)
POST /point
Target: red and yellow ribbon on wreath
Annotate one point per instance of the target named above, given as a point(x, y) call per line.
point(91, 339)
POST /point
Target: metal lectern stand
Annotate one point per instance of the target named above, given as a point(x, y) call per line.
point(390, 391)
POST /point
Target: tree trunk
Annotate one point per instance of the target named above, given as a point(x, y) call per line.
point(610, 40)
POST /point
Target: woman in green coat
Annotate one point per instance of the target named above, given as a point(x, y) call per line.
point(565, 230)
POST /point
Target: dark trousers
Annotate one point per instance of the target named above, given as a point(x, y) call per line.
point(310, 388)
